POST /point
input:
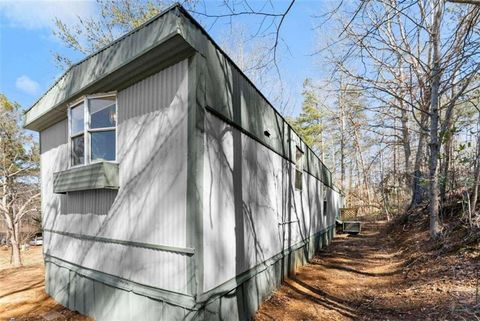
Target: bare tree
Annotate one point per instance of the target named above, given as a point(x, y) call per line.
point(416, 62)
point(18, 175)
point(476, 175)
point(438, 8)
point(115, 18)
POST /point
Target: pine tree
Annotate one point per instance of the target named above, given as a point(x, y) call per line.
point(310, 124)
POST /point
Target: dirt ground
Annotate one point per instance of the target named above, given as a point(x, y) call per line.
point(378, 276)
point(381, 274)
point(22, 295)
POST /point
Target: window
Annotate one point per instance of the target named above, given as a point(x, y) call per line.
point(77, 124)
point(325, 206)
point(298, 169)
point(102, 128)
point(92, 124)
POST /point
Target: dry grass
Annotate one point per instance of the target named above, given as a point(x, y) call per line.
point(31, 256)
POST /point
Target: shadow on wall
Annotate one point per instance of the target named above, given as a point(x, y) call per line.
point(132, 263)
point(94, 202)
point(99, 252)
point(260, 216)
point(247, 171)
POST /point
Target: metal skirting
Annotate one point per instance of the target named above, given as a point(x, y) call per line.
point(177, 299)
point(107, 297)
point(311, 244)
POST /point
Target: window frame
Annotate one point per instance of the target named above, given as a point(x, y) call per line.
point(87, 131)
point(299, 168)
point(325, 202)
point(71, 136)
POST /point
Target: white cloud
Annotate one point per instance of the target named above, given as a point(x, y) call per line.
point(25, 84)
point(37, 14)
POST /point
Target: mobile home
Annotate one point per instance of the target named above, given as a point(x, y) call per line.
point(171, 188)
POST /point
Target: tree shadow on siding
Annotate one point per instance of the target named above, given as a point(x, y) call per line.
point(247, 211)
point(127, 264)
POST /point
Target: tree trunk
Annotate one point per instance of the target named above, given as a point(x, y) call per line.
point(362, 163)
point(405, 137)
point(16, 258)
point(322, 144)
point(445, 166)
point(417, 189)
point(434, 119)
point(13, 227)
point(433, 164)
point(476, 176)
point(342, 139)
point(382, 185)
point(407, 151)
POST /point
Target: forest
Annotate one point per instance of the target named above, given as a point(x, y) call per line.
point(402, 128)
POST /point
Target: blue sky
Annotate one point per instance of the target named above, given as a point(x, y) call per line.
point(27, 67)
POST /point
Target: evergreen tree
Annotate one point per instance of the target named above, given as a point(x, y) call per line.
point(310, 124)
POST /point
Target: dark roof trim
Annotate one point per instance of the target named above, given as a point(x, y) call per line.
point(196, 23)
point(128, 34)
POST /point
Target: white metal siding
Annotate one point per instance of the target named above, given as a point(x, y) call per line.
point(153, 160)
point(149, 207)
point(54, 158)
point(146, 266)
point(274, 215)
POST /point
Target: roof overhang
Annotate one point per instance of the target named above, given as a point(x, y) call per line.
point(137, 55)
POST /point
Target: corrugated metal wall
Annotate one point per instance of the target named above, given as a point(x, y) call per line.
point(142, 265)
point(54, 158)
point(152, 152)
point(232, 95)
point(251, 208)
point(149, 207)
point(97, 201)
point(153, 93)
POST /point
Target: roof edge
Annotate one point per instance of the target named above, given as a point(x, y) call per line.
point(175, 5)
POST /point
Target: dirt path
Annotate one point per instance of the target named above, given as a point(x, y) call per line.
point(365, 277)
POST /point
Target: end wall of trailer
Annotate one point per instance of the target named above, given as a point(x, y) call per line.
point(124, 252)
